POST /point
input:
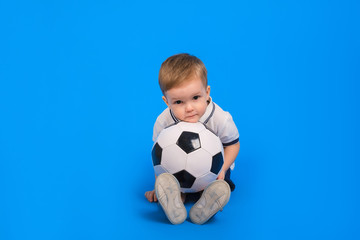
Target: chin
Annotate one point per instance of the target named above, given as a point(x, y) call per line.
point(191, 120)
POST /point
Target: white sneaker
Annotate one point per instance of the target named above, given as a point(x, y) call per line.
point(213, 199)
point(167, 190)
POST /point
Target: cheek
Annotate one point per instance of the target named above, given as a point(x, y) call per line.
point(202, 107)
point(177, 111)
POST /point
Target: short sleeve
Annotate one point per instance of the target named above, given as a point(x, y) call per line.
point(228, 131)
point(162, 121)
point(157, 129)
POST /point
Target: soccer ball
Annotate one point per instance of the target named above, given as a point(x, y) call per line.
point(191, 152)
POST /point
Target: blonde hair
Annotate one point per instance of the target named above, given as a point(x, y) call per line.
point(178, 69)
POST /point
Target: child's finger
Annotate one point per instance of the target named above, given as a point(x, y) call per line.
point(155, 198)
point(148, 196)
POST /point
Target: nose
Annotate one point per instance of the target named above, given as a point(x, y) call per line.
point(189, 107)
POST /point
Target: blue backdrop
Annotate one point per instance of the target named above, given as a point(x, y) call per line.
point(79, 97)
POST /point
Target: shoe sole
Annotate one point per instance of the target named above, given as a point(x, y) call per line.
point(211, 196)
point(167, 190)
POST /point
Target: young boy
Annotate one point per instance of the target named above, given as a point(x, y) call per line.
point(183, 82)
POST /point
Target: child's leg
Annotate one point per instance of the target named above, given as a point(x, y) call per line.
point(213, 199)
point(167, 190)
point(229, 181)
point(183, 197)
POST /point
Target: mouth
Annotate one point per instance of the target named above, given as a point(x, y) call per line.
point(192, 116)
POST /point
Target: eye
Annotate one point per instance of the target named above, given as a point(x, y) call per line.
point(196, 97)
point(178, 102)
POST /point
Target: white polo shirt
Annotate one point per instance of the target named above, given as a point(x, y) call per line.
point(216, 119)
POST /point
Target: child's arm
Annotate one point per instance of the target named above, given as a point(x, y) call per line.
point(230, 154)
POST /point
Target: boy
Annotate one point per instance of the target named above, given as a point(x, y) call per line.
point(183, 82)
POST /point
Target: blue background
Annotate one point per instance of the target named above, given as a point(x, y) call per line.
point(79, 97)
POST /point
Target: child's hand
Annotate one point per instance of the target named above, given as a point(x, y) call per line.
point(221, 176)
point(151, 196)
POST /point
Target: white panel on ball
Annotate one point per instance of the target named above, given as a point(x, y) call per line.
point(202, 182)
point(210, 142)
point(168, 136)
point(199, 163)
point(158, 169)
point(185, 126)
point(173, 159)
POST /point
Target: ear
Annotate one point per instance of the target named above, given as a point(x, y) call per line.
point(207, 92)
point(165, 100)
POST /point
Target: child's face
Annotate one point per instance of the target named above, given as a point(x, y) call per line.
point(188, 101)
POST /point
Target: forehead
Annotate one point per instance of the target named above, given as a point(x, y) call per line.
point(186, 89)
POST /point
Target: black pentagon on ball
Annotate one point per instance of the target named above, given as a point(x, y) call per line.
point(189, 141)
point(156, 154)
point(185, 179)
point(217, 162)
